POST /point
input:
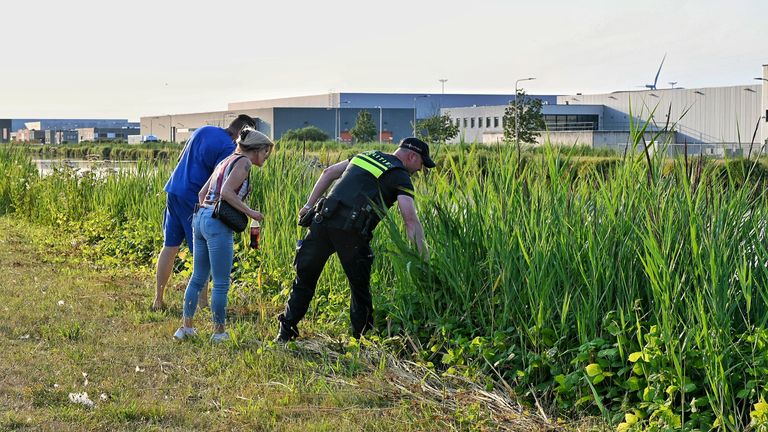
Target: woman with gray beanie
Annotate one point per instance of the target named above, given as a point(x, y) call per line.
point(213, 240)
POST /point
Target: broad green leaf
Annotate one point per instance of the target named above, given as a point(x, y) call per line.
point(630, 418)
point(593, 369)
point(634, 383)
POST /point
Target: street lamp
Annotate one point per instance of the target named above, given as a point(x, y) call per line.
point(381, 130)
point(517, 122)
point(762, 79)
point(171, 129)
point(414, 111)
point(442, 91)
point(338, 120)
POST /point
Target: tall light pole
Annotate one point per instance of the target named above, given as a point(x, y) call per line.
point(381, 130)
point(517, 108)
point(414, 111)
point(442, 91)
point(338, 120)
point(171, 129)
point(765, 80)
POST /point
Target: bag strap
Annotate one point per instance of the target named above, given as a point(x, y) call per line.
point(232, 165)
point(223, 176)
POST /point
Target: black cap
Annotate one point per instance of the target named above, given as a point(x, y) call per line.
point(420, 147)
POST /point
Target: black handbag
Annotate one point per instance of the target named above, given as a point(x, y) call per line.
point(228, 215)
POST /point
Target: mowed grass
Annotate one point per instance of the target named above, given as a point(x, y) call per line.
point(69, 327)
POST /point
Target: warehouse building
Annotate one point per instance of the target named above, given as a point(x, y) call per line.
point(6, 127)
point(334, 113)
point(98, 134)
point(714, 120)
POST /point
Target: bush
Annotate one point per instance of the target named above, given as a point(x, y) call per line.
point(309, 133)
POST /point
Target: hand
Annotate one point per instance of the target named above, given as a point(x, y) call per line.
point(303, 211)
point(257, 216)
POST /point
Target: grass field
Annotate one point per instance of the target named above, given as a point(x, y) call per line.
point(72, 327)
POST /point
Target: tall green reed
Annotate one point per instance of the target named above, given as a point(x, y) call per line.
point(556, 262)
point(537, 272)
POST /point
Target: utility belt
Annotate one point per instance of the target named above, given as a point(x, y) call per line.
point(333, 213)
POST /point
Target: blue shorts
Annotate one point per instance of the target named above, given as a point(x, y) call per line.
point(177, 221)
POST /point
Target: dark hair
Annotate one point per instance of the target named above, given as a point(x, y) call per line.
point(242, 121)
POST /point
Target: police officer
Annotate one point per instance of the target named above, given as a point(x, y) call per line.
point(344, 222)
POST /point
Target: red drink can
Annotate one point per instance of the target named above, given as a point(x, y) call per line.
point(255, 234)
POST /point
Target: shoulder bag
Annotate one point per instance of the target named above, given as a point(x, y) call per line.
point(228, 215)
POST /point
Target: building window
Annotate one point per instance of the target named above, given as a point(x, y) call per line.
point(465, 122)
point(495, 122)
point(487, 122)
point(458, 122)
point(472, 122)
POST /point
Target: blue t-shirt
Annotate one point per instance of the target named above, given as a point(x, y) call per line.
point(207, 146)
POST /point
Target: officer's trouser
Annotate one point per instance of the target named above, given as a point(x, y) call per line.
point(356, 258)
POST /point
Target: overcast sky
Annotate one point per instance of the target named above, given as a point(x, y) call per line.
point(91, 59)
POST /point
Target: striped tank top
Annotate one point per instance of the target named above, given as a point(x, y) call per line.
point(220, 174)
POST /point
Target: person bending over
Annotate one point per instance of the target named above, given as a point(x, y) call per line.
point(343, 223)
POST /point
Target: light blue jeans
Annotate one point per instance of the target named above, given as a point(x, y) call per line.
point(213, 246)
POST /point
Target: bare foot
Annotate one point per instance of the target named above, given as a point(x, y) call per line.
point(158, 305)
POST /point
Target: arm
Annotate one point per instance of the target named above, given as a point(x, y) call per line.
point(412, 224)
point(204, 191)
point(329, 175)
point(236, 177)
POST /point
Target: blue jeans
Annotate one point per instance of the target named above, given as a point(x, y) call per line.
point(213, 254)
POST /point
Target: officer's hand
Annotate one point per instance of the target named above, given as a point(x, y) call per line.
point(303, 211)
point(257, 216)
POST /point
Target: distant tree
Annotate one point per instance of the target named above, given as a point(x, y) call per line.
point(309, 133)
point(364, 129)
point(527, 111)
point(437, 129)
point(530, 117)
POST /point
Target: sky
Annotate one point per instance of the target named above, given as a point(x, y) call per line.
point(96, 59)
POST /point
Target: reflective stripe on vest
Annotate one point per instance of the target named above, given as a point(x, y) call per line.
point(370, 162)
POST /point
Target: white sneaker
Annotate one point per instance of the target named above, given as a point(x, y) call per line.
point(220, 337)
point(185, 332)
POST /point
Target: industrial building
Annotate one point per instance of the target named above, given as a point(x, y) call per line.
point(56, 137)
point(6, 127)
point(62, 131)
point(703, 120)
point(710, 120)
point(334, 113)
point(69, 124)
point(105, 133)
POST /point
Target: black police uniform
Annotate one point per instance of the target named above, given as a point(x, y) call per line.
point(344, 223)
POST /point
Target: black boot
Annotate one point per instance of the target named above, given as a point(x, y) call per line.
point(287, 332)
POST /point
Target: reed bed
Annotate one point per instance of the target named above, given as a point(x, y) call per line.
point(634, 290)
